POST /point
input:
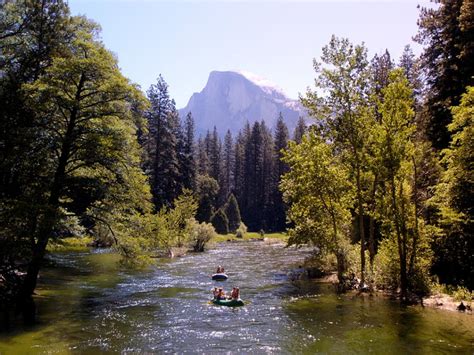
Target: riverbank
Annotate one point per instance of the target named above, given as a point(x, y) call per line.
point(252, 236)
point(447, 303)
point(437, 300)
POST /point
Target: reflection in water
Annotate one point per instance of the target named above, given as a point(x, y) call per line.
point(89, 302)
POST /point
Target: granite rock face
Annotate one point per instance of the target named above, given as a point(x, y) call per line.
point(230, 99)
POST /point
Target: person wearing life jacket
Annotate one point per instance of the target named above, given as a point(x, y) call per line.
point(215, 293)
point(220, 270)
point(221, 294)
point(235, 295)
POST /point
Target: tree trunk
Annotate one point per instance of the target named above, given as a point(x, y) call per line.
point(411, 268)
point(401, 250)
point(372, 225)
point(361, 228)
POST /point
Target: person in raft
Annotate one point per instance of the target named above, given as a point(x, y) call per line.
point(235, 294)
point(220, 270)
point(220, 294)
point(215, 293)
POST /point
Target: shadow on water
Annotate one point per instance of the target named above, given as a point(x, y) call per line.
point(90, 303)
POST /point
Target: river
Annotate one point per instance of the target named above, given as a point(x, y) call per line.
point(90, 302)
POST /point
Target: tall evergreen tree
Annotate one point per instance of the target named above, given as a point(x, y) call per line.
point(207, 189)
point(203, 164)
point(239, 167)
point(380, 68)
point(220, 222)
point(411, 66)
point(228, 159)
point(163, 167)
point(253, 194)
point(281, 168)
point(300, 130)
point(454, 249)
point(447, 32)
point(214, 153)
point(268, 182)
point(232, 211)
point(187, 154)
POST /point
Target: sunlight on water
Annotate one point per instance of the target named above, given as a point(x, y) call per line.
point(89, 302)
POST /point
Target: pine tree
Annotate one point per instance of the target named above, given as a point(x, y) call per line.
point(244, 199)
point(232, 212)
point(207, 189)
point(162, 144)
point(220, 222)
point(281, 168)
point(454, 259)
point(411, 66)
point(188, 163)
point(253, 193)
point(380, 68)
point(227, 185)
point(203, 164)
point(239, 160)
point(300, 130)
point(214, 153)
point(447, 33)
point(268, 183)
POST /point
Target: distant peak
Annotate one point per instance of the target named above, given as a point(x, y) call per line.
point(266, 85)
point(261, 81)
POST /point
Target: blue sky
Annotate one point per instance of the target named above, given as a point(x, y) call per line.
point(185, 40)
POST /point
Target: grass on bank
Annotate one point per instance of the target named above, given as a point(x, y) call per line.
point(283, 237)
point(82, 244)
point(70, 244)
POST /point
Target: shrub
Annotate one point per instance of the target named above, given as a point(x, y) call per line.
point(200, 234)
point(241, 231)
point(220, 222)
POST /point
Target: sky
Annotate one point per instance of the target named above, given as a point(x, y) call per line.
point(185, 40)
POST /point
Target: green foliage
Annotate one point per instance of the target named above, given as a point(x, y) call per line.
point(453, 199)
point(163, 165)
point(446, 31)
point(87, 160)
point(340, 103)
point(200, 234)
point(149, 234)
point(172, 222)
point(300, 130)
point(70, 244)
point(232, 212)
point(206, 193)
point(220, 222)
point(320, 197)
point(228, 158)
point(387, 265)
point(241, 232)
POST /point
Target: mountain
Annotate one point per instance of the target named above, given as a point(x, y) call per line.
point(230, 99)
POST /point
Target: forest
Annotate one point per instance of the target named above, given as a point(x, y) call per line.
point(378, 177)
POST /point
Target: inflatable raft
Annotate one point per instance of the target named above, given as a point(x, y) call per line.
point(229, 303)
point(219, 277)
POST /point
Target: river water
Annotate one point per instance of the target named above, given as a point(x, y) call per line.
point(90, 302)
